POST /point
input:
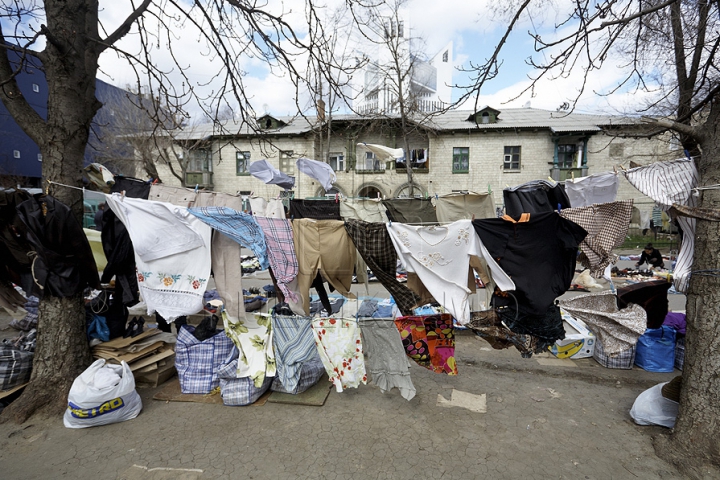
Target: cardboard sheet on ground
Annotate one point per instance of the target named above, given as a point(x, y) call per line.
point(171, 393)
point(314, 396)
point(470, 401)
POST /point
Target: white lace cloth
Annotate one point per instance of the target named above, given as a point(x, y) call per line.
point(440, 256)
point(172, 277)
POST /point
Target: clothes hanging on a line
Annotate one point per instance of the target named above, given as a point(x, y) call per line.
point(268, 174)
point(385, 356)
point(316, 209)
point(597, 188)
point(440, 256)
point(430, 341)
point(62, 261)
point(341, 351)
point(253, 337)
point(281, 252)
point(373, 242)
point(320, 171)
point(536, 196)
point(294, 346)
point(487, 325)
point(459, 206)
point(172, 254)
point(668, 183)
point(607, 226)
point(651, 296)
point(410, 210)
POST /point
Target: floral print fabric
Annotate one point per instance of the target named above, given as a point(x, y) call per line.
point(253, 338)
point(430, 341)
point(340, 348)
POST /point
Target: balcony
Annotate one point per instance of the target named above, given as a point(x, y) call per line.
point(560, 174)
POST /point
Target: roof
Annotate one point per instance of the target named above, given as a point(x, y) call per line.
point(511, 118)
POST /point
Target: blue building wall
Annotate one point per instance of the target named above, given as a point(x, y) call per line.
point(19, 155)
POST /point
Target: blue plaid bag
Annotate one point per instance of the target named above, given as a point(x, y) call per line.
point(239, 391)
point(197, 362)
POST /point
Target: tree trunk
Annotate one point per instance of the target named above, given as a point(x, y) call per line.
point(694, 445)
point(70, 64)
point(61, 354)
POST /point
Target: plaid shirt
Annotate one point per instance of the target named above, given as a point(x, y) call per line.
point(281, 252)
point(238, 391)
point(197, 362)
point(607, 225)
point(374, 244)
point(239, 226)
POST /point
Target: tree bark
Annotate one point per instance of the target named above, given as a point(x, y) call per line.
point(694, 445)
point(70, 64)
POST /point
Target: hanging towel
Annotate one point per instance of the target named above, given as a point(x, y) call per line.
point(172, 254)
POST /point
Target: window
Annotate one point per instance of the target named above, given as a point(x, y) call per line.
point(242, 163)
point(418, 159)
point(337, 161)
point(371, 162)
point(511, 160)
point(567, 153)
point(199, 161)
point(287, 164)
point(16, 153)
point(36, 88)
point(461, 160)
point(485, 117)
point(617, 150)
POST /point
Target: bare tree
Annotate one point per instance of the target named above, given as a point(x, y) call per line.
point(667, 49)
point(71, 39)
point(397, 75)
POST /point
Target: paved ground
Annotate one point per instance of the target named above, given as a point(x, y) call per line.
point(544, 418)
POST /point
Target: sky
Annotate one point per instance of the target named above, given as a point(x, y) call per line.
point(472, 26)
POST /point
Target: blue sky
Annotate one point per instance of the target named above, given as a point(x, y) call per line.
point(471, 25)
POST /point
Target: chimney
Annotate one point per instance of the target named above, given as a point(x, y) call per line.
point(321, 109)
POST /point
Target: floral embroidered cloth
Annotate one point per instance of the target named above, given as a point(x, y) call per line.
point(430, 341)
point(252, 336)
point(340, 348)
point(172, 254)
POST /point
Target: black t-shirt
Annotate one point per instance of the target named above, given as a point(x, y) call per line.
point(538, 254)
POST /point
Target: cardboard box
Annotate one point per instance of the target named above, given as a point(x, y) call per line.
point(579, 341)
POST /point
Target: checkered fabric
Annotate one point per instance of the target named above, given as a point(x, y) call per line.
point(310, 373)
point(239, 226)
point(281, 252)
point(623, 360)
point(607, 226)
point(294, 346)
point(680, 352)
point(15, 367)
point(374, 244)
point(197, 362)
point(238, 391)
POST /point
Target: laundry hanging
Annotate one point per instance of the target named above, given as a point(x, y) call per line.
point(598, 188)
point(340, 347)
point(607, 226)
point(239, 226)
point(385, 356)
point(430, 341)
point(265, 171)
point(281, 252)
point(535, 196)
point(320, 171)
point(668, 183)
point(253, 337)
point(172, 254)
point(440, 256)
point(459, 206)
point(294, 346)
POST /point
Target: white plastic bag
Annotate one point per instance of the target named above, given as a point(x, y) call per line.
point(651, 408)
point(94, 400)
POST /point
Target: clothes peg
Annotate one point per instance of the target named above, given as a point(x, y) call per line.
point(687, 154)
point(47, 187)
point(197, 187)
point(122, 196)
